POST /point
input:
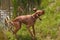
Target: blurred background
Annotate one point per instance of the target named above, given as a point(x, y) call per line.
point(46, 29)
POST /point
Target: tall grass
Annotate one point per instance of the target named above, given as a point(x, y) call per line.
point(48, 27)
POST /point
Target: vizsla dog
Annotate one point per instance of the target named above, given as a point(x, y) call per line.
point(29, 20)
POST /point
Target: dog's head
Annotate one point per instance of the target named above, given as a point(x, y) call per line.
point(38, 13)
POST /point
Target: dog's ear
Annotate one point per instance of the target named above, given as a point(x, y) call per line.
point(34, 9)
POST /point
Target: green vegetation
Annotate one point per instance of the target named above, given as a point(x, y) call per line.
point(23, 7)
point(2, 34)
point(46, 29)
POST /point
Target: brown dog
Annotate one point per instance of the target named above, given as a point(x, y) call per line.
point(29, 20)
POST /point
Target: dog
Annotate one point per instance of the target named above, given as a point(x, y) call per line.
point(28, 20)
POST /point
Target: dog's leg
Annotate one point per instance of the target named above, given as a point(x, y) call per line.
point(17, 27)
point(28, 27)
point(33, 30)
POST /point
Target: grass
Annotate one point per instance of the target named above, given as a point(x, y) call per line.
point(46, 29)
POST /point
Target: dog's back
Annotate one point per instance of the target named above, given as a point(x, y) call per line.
point(26, 19)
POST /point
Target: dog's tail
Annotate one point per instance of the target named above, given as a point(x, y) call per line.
point(9, 23)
